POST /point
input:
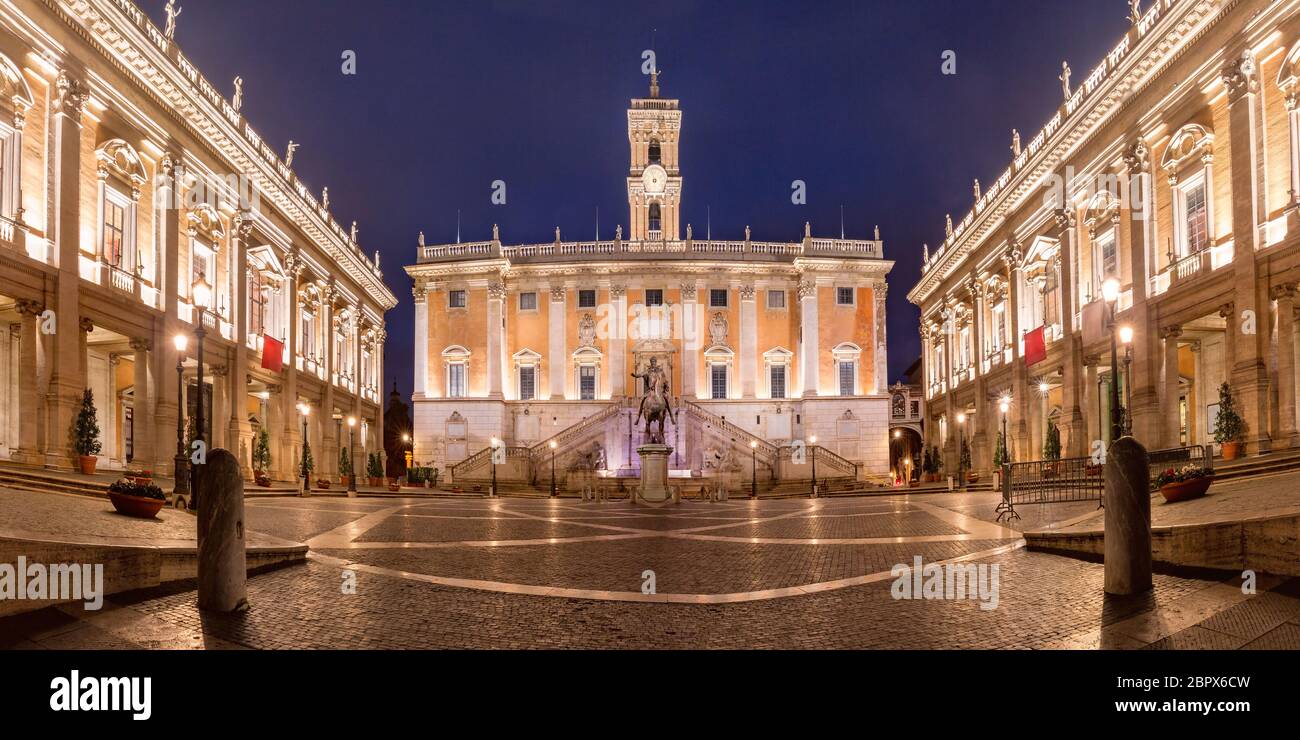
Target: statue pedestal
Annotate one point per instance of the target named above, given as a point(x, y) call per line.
point(653, 490)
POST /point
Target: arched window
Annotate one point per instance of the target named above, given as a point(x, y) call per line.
point(654, 151)
point(656, 221)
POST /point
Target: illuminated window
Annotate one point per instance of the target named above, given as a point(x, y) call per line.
point(115, 228)
point(456, 380)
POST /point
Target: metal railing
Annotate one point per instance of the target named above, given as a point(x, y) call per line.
point(1079, 478)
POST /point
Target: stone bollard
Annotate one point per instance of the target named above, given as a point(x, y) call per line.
point(223, 569)
point(1128, 518)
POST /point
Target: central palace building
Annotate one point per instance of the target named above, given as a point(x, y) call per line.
point(768, 345)
point(1172, 170)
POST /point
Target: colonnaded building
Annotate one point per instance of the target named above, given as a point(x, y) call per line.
point(1173, 169)
point(128, 185)
point(765, 343)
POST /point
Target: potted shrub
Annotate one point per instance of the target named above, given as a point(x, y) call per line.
point(142, 500)
point(965, 458)
point(936, 459)
point(415, 477)
point(85, 434)
point(143, 477)
point(1229, 428)
point(1052, 451)
point(323, 483)
point(1188, 482)
point(1000, 458)
point(375, 470)
point(927, 464)
point(433, 477)
point(345, 466)
point(308, 465)
point(262, 459)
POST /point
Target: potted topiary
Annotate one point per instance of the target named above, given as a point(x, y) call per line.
point(262, 459)
point(85, 434)
point(1000, 458)
point(308, 465)
point(1188, 482)
point(927, 464)
point(1052, 451)
point(971, 475)
point(936, 459)
point(1229, 428)
point(142, 500)
point(345, 466)
point(375, 470)
point(433, 477)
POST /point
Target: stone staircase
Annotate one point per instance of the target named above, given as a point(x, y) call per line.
point(31, 479)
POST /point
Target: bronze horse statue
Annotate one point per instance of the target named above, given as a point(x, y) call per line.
point(655, 407)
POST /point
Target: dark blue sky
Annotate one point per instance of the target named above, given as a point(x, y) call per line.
point(450, 96)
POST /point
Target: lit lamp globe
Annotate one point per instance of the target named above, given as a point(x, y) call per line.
point(961, 419)
point(1110, 290)
point(352, 421)
point(1004, 405)
point(753, 444)
point(553, 445)
point(202, 294)
point(1126, 334)
point(180, 341)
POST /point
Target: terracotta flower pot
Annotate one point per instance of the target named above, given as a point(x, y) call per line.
point(88, 463)
point(1175, 492)
point(1231, 450)
point(140, 507)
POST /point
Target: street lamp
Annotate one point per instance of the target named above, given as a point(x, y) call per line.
point(961, 446)
point(352, 454)
point(552, 445)
point(493, 491)
point(409, 452)
point(1126, 338)
point(1110, 293)
point(305, 410)
point(753, 468)
point(1004, 406)
point(201, 292)
point(812, 444)
point(180, 473)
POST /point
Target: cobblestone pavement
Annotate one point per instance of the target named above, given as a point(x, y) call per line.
point(518, 573)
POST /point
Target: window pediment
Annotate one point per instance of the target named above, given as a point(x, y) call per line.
point(119, 159)
point(456, 352)
point(1191, 141)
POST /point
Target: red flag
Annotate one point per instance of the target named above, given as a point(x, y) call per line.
point(1035, 347)
point(272, 353)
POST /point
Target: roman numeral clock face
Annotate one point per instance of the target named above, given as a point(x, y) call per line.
point(654, 178)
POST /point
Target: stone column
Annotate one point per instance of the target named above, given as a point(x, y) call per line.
point(978, 426)
point(618, 374)
point(809, 364)
point(692, 339)
point(142, 411)
point(880, 337)
point(495, 307)
point(69, 377)
point(165, 356)
point(328, 462)
point(557, 335)
point(377, 352)
point(748, 342)
point(1173, 427)
point(291, 443)
point(1250, 382)
point(28, 401)
point(240, 432)
point(1091, 399)
point(1018, 426)
point(1285, 297)
point(1073, 424)
point(419, 294)
point(1145, 348)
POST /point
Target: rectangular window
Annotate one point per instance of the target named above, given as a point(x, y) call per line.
point(848, 371)
point(1196, 232)
point(1107, 258)
point(527, 301)
point(456, 380)
point(776, 380)
point(776, 299)
point(114, 231)
point(586, 299)
point(527, 383)
point(718, 381)
point(256, 303)
point(997, 335)
point(307, 344)
point(654, 297)
point(718, 298)
point(203, 263)
point(587, 382)
point(844, 296)
point(455, 299)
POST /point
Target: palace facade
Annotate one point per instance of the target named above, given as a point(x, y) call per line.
point(129, 187)
point(1170, 172)
point(768, 345)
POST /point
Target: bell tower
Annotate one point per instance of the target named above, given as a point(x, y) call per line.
point(654, 179)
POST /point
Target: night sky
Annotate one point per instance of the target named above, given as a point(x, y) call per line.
point(450, 96)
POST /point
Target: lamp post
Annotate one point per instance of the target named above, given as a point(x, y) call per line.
point(812, 445)
point(180, 473)
point(305, 410)
point(961, 447)
point(1126, 338)
point(1110, 293)
point(493, 491)
point(1004, 406)
point(201, 292)
point(409, 453)
point(552, 445)
point(352, 455)
point(753, 468)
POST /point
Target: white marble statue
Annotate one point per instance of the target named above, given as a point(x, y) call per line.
point(173, 13)
point(1065, 79)
point(237, 102)
point(288, 157)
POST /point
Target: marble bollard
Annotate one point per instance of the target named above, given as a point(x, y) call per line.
point(1128, 518)
point(223, 568)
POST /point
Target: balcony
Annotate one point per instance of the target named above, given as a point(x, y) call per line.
point(1191, 267)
